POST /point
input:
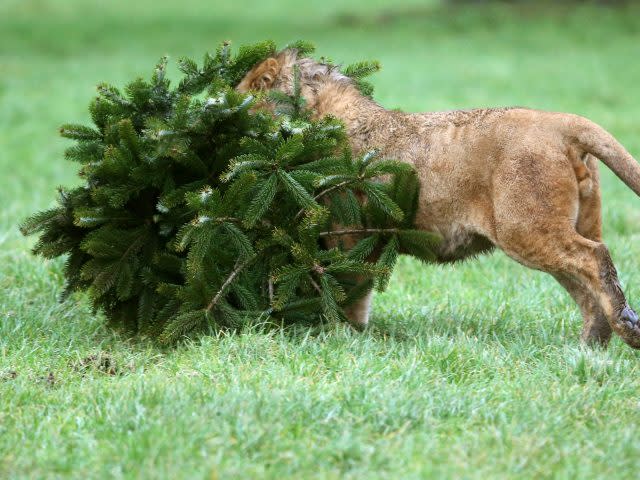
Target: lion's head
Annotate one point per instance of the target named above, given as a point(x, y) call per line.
point(277, 73)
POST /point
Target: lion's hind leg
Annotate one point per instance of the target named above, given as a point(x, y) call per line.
point(544, 224)
point(596, 329)
point(585, 269)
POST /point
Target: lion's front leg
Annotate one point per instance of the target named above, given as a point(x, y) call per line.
point(358, 312)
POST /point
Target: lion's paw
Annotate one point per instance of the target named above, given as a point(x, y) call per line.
point(628, 327)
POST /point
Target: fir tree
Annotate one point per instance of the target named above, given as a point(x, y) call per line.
point(197, 212)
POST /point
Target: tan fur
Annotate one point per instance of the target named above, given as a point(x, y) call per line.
point(523, 180)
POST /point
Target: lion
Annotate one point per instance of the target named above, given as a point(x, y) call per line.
point(522, 180)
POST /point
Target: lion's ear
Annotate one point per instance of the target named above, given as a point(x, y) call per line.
point(266, 74)
point(261, 77)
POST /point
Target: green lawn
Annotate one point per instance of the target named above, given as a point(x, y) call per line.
point(467, 371)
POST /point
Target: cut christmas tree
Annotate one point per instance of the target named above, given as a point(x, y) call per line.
point(200, 211)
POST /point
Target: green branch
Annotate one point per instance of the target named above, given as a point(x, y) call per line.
point(359, 230)
point(238, 267)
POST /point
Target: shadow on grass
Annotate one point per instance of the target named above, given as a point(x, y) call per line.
point(34, 315)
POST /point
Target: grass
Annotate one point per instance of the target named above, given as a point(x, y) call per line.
point(470, 371)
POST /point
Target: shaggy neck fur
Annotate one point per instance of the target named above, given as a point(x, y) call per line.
point(328, 92)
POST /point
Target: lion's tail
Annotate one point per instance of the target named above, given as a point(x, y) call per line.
point(594, 139)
